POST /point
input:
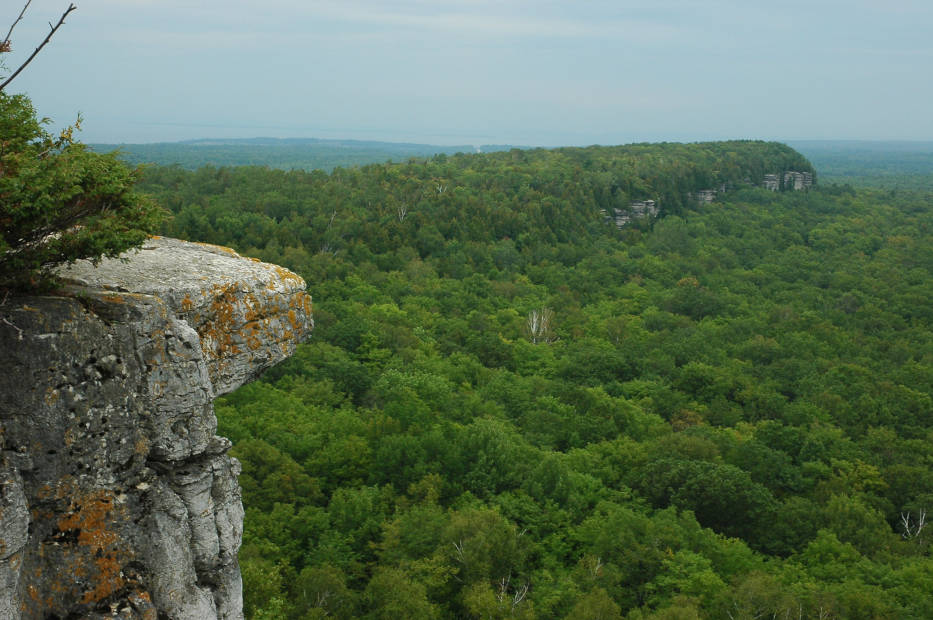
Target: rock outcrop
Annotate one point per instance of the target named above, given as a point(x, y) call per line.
point(639, 209)
point(117, 499)
point(797, 181)
point(792, 181)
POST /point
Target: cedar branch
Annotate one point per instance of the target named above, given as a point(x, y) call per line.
point(71, 7)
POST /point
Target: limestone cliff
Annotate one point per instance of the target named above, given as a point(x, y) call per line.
point(117, 499)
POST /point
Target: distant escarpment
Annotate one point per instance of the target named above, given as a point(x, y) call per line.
point(521, 198)
point(117, 498)
point(699, 173)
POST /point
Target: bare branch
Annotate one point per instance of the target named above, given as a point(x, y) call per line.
point(321, 599)
point(540, 326)
point(61, 20)
point(913, 527)
point(5, 43)
point(19, 330)
point(503, 587)
point(596, 568)
point(6, 321)
point(519, 595)
point(459, 548)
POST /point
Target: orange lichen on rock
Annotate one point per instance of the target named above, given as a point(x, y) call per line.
point(285, 276)
point(221, 327)
point(99, 552)
point(301, 303)
point(143, 345)
point(252, 333)
point(221, 248)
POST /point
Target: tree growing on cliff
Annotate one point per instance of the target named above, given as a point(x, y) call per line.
point(59, 202)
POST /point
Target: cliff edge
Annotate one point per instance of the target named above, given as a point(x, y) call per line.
point(117, 498)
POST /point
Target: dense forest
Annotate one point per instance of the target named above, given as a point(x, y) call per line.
point(860, 163)
point(287, 154)
point(511, 408)
point(878, 164)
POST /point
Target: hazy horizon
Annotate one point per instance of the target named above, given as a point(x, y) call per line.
point(908, 145)
point(454, 72)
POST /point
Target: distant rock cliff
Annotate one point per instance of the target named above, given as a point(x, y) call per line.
point(117, 499)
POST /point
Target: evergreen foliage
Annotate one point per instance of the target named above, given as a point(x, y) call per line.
point(60, 202)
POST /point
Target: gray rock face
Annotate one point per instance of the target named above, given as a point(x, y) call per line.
point(639, 209)
point(797, 181)
point(117, 499)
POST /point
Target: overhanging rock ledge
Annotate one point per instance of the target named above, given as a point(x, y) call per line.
point(117, 499)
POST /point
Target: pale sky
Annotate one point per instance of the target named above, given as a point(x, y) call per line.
point(537, 72)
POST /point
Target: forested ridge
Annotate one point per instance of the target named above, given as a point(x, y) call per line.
point(511, 408)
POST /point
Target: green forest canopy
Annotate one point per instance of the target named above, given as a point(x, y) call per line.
point(862, 163)
point(731, 416)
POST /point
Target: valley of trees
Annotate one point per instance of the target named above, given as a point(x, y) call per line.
point(510, 408)
point(287, 153)
point(877, 164)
